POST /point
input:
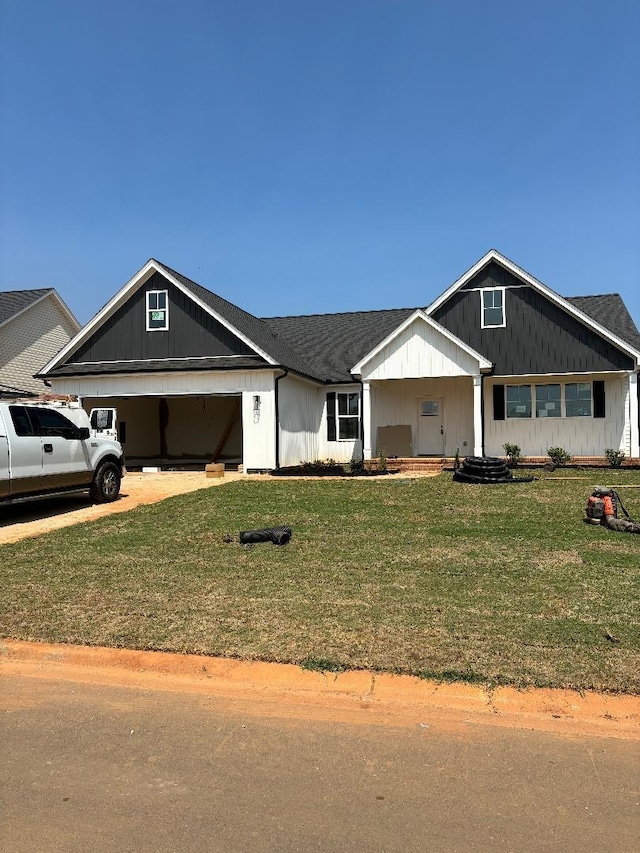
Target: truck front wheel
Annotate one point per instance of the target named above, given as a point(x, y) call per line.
point(106, 483)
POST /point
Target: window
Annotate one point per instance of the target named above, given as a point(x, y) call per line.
point(49, 422)
point(577, 396)
point(157, 311)
point(492, 308)
point(21, 422)
point(343, 416)
point(518, 401)
point(548, 401)
point(555, 400)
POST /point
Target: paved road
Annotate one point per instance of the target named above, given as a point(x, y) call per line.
point(94, 769)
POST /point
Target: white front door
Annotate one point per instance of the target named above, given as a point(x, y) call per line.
point(430, 427)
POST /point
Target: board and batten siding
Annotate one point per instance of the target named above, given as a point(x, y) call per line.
point(258, 429)
point(192, 331)
point(29, 341)
point(300, 406)
point(539, 336)
point(419, 350)
point(396, 403)
point(578, 436)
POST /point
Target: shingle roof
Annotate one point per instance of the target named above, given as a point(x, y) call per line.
point(333, 343)
point(158, 365)
point(257, 331)
point(14, 301)
point(609, 311)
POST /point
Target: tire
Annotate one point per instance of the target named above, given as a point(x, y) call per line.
point(106, 483)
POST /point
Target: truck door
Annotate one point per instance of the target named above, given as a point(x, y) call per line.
point(103, 423)
point(65, 458)
point(26, 452)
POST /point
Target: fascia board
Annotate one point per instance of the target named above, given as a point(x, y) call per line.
point(121, 297)
point(517, 271)
point(483, 363)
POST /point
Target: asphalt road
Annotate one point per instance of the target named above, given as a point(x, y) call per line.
point(92, 768)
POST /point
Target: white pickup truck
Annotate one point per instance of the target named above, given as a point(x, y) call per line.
point(49, 448)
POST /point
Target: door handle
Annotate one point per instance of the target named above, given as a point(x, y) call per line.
point(48, 448)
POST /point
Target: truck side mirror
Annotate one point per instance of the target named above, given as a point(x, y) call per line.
point(83, 433)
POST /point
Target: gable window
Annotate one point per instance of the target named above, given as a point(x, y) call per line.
point(157, 311)
point(548, 401)
point(493, 316)
point(518, 401)
point(343, 416)
point(577, 398)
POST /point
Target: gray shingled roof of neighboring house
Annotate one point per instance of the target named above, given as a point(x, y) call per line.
point(609, 311)
point(14, 301)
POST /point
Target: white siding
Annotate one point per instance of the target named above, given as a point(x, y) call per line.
point(258, 434)
point(29, 341)
point(396, 403)
point(300, 404)
point(420, 350)
point(578, 436)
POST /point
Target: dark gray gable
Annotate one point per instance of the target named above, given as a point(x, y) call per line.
point(540, 337)
point(192, 333)
point(14, 301)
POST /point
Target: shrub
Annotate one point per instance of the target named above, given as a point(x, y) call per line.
point(559, 455)
point(615, 458)
point(513, 454)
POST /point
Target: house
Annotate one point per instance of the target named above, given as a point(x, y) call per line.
point(34, 325)
point(498, 357)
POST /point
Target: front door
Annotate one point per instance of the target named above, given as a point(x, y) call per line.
point(430, 427)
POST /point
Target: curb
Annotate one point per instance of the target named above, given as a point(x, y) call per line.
point(359, 696)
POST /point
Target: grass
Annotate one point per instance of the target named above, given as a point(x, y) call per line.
point(495, 584)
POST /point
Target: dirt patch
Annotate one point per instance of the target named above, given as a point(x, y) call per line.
point(20, 521)
point(288, 691)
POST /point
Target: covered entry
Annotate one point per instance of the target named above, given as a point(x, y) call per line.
point(178, 429)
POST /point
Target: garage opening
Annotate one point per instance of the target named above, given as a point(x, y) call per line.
point(177, 432)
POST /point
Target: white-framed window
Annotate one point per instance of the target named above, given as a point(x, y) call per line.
point(553, 400)
point(577, 400)
point(548, 401)
point(157, 311)
point(343, 415)
point(492, 305)
point(518, 401)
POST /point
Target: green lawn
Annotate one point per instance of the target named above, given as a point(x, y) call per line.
point(498, 584)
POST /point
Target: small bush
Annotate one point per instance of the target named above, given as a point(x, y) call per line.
point(513, 454)
point(559, 455)
point(615, 458)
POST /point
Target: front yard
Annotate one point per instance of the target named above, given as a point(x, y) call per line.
point(498, 584)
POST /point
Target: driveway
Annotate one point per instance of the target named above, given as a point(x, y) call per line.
point(32, 519)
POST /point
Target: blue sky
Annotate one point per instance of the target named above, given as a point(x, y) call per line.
point(306, 157)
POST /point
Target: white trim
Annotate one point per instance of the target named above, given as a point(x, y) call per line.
point(515, 270)
point(366, 420)
point(171, 358)
point(477, 416)
point(634, 438)
point(484, 325)
point(164, 328)
point(483, 364)
point(137, 281)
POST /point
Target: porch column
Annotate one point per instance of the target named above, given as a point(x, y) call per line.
point(633, 416)
point(366, 420)
point(477, 415)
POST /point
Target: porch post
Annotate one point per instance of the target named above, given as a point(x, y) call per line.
point(477, 415)
point(633, 416)
point(366, 420)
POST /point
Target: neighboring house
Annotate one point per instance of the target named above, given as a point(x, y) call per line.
point(34, 326)
point(498, 357)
